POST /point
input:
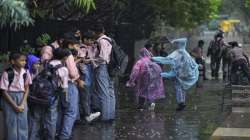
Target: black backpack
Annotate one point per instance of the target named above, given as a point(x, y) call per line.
point(11, 75)
point(118, 59)
point(45, 87)
point(215, 48)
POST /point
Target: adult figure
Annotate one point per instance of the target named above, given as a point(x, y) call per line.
point(226, 61)
point(239, 59)
point(214, 52)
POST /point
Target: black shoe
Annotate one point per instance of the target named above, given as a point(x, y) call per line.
point(79, 122)
point(205, 78)
point(180, 107)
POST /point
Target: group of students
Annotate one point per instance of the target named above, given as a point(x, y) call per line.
point(73, 73)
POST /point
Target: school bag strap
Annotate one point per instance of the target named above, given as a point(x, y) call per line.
point(109, 40)
point(55, 68)
point(11, 75)
point(52, 47)
point(118, 59)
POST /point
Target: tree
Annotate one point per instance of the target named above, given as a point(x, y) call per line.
point(139, 13)
point(247, 3)
point(17, 13)
point(14, 13)
point(184, 14)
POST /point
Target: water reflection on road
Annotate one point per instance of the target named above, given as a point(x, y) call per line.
point(202, 115)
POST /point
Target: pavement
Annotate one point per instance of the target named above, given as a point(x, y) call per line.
point(197, 122)
point(237, 124)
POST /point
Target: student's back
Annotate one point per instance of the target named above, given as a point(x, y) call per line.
point(49, 113)
point(62, 72)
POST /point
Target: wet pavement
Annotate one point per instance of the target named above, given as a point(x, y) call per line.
point(197, 122)
point(203, 114)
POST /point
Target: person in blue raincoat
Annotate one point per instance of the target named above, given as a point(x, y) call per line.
point(184, 70)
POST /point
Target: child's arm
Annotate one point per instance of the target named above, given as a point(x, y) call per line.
point(25, 96)
point(4, 85)
point(27, 83)
point(163, 60)
point(78, 60)
point(10, 101)
point(80, 83)
point(136, 72)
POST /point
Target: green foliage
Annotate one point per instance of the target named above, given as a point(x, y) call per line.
point(43, 39)
point(4, 57)
point(27, 49)
point(14, 13)
point(247, 3)
point(214, 8)
point(186, 13)
point(182, 14)
point(85, 4)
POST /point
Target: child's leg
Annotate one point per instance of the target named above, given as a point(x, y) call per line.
point(70, 112)
point(35, 116)
point(23, 122)
point(86, 100)
point(112, 100)
point(104, 92)
point(10, 123)
point(180, 94)
point(16, 124)
point(141, 102)
point(51, 121)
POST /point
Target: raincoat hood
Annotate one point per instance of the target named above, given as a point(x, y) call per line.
point(145, 53)
point(180, 43)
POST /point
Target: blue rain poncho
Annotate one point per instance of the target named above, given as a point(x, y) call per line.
point(183, 66)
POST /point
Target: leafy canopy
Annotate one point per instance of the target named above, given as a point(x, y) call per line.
point(17, 13)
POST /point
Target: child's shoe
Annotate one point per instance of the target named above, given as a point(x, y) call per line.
point(180, 107)
point(92, 117)
point(152, 107)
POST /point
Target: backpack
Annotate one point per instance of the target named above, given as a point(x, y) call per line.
point(45, 86)
point(11, 75)
point(215, 48)
point(52, 47)
point(118, 59)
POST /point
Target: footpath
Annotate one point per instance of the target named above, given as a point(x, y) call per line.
point(237, 124)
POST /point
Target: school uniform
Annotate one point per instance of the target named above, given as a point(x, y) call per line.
point(87, 76)
point(16, 124)
point(71, 111)
point(48, 116)
point(104, 86)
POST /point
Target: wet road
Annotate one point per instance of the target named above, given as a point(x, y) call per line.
point(201, 117)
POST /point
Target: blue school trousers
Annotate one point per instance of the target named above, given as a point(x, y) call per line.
point(69, 112)
point(45, 119)
point(87, 92)
point(104, 93)
point(16, 124)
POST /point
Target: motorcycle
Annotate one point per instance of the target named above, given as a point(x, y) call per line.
point(239, 77)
